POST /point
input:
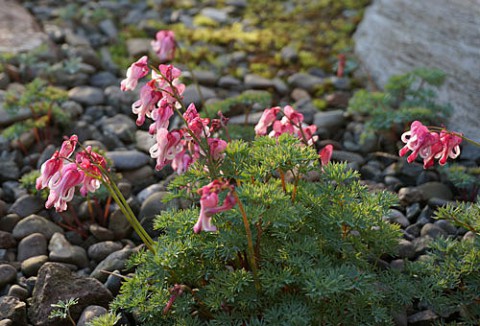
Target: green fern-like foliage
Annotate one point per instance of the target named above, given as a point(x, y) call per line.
point(454, 268)
point(316, 252)
point(406, 98)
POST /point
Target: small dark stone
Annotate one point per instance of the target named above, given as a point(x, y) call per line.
point(8, 274)
point(33, 245)
point(426, 317)
point(90, 313)
point(18, 292)
point(7, 240)
point(13, 309)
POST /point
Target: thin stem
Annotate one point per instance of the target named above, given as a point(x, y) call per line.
point(251, 252)
point(295, 186)
point(126, 210)
point(435, 128)
point(282, 178)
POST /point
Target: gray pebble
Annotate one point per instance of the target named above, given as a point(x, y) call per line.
point(87, 95)
point(35, 224)
point(433, 231)
point(32, 245)
point(18, 292)
point(8, 274)
point(90, 313)
point(63, 252)
point(31, 265)
point(128, 160)
point(101, 250)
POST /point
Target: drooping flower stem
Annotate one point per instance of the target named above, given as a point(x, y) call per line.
point(250, 250)
point(126, 210)
point(471, 141)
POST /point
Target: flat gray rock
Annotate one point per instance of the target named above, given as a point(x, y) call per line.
point(18, 30)
point(33, 224)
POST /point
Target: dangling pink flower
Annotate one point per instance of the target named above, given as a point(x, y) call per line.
point(450, 143)
point(136, 71)
point(197, 125)
point(51, 167)
point(164, 45)
point(282, 127)
point(430, 145)
point(161, 116)
point(168, 145)
point(266, 120)
point(308, 132)
point(181, 162)
point(62, 186)
point(418, 139)
point(326, 154)
point(217, 147)
point(55, 163)
point(209, 204)
point(68, 146)
point(149, 98)
point(91, 164)
point(293, 116)
point(167, 80)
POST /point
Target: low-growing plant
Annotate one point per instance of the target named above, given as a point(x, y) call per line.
point(466, 180)
point(406, 98)
point(61, 310)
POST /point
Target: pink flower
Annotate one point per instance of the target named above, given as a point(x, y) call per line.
point(167, 80)
point(68, 146)
point(161, 116)
point(164, 45)
point(282, 127)
point(167, 147)
point(91, 164)
point(149, 98)
point(198, 126)
point(326, 154)
point(430, 145)
point(266, 120)
point(55, 163)
point(217, 147)
point(209, 204)
point(418, 140)
point(293, 116)
point(48, 170)
point(308, 134)
point(62, 186)
point(181, 162)
point(136, 71)
point(450, 146)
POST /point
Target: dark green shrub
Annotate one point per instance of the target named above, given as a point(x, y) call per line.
point(316, 245)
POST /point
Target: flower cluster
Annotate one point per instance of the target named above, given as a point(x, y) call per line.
point(62, 174)
point(159, 99)
point(209, 204)
point(291, 123)
point(430, 145)
point(164, 45)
